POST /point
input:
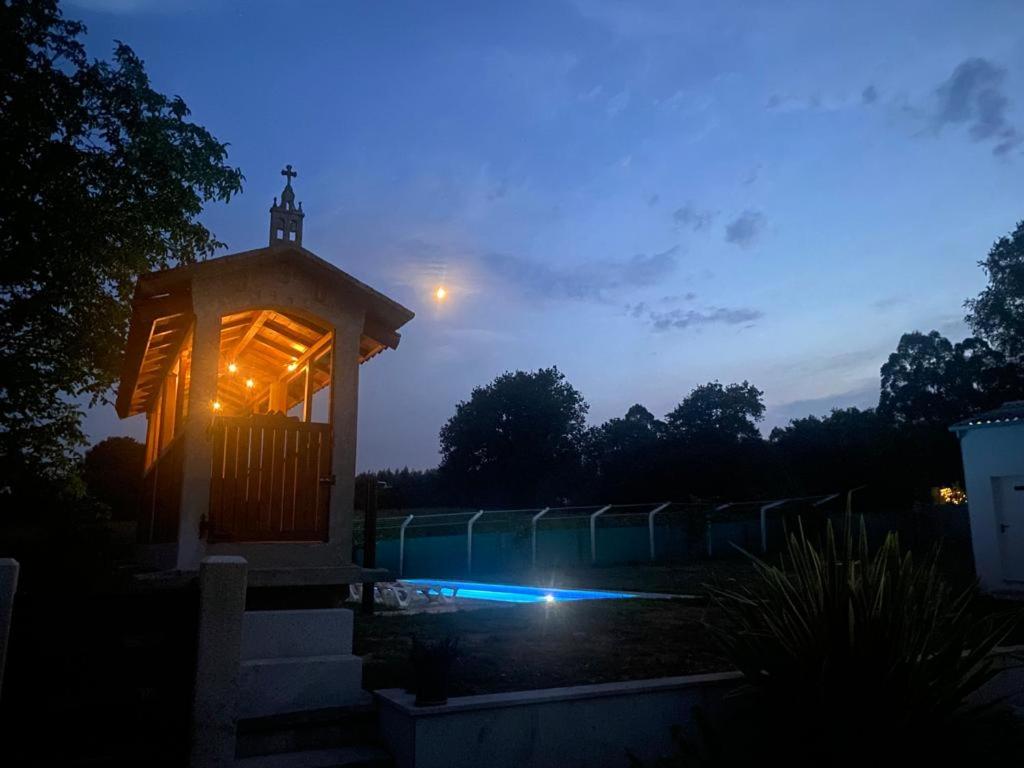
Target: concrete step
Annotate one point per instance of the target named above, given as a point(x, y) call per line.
point(316, 729)
point(283, 634)
point(342, 757)
point(277, 686)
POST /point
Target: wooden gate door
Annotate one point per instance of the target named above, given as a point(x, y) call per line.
point(271, 479)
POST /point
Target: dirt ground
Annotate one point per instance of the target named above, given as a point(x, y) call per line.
point(519, 647)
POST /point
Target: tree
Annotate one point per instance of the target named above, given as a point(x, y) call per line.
point(623, 453)
point(929, 381)
point(915, 386)
point(713, 448)
point(997, 314)
point(516, 440)
point(717, 413)
point(845, 449)
point(103, 179)
point(112, 470)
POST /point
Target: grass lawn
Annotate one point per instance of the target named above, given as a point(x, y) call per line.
point(520, 647)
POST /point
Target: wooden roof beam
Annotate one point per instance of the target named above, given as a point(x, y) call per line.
point(380, 333)
point(250, 333)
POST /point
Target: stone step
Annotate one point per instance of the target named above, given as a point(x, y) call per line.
point(342, 757)
point(280, 685)
point(316, 729)
point(284, 634)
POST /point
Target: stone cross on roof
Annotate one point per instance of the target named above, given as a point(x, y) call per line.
point(286, 218)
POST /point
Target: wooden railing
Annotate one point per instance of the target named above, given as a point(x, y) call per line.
point(270, 479)
point(161, 495)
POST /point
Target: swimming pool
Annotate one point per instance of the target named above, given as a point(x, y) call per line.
point(510, 593)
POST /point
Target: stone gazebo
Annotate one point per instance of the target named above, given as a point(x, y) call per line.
point(247, 368)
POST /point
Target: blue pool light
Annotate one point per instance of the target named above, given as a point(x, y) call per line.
point(511, 593)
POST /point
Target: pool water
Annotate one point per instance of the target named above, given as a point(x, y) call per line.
point(510, 593)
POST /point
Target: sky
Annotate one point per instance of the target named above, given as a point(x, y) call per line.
point(649, 195)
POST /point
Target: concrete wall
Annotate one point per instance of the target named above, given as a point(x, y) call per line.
point(293, 661)
point(587, 725)
point(259, 663)
point(990, 451)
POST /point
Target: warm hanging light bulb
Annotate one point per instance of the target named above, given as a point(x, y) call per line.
point(232, 367)
point(250, 383)
point(216, 405)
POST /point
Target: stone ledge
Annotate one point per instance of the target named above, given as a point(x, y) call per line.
point(403, 701)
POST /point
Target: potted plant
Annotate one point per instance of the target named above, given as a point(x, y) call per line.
point(431, 669)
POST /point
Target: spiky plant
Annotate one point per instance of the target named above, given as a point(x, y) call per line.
point(848, 649)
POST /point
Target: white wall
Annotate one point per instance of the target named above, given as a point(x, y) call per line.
point(586, 726)
point(990, 451)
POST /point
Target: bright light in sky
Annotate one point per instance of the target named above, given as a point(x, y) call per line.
point(549, 598)
point(440, 294)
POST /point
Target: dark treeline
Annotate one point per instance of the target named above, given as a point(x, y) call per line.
point(523, 438)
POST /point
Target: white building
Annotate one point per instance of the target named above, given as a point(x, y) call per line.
point(992, 446)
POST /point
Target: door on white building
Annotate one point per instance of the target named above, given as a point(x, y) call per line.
point(1008, 493)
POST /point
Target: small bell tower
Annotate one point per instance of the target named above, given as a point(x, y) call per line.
point(286, 218)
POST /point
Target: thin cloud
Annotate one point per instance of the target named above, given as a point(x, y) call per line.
point(617, 103)
point(869, 95)
point(745, 229)
point(974, 96)
point(591, 281)
point(691, 318)
point(889, 302)
point(862, 394)
point(692, 218)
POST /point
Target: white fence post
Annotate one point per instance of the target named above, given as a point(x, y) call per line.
point(222, 583)
point(8, 587)
point(533, 534)
point(764, 521)
point(401, 543)
point(650, 524)
point(469, 541)
point(707, 533)
point(593, 532)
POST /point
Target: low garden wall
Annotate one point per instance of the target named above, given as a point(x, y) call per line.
point(588, 725)
point(585, 725)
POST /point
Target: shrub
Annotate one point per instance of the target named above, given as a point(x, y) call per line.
point(853, 655)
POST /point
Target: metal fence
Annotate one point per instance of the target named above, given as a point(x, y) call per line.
point(463, 542)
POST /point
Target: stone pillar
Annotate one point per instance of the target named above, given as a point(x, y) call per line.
point(345, 405)
point(222, 583)
point(8, 587)
point(195, 487)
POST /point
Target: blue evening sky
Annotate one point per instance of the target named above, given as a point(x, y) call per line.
point(650, 195)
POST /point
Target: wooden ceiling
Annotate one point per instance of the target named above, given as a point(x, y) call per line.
point(262, 344)
point(266, 346)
